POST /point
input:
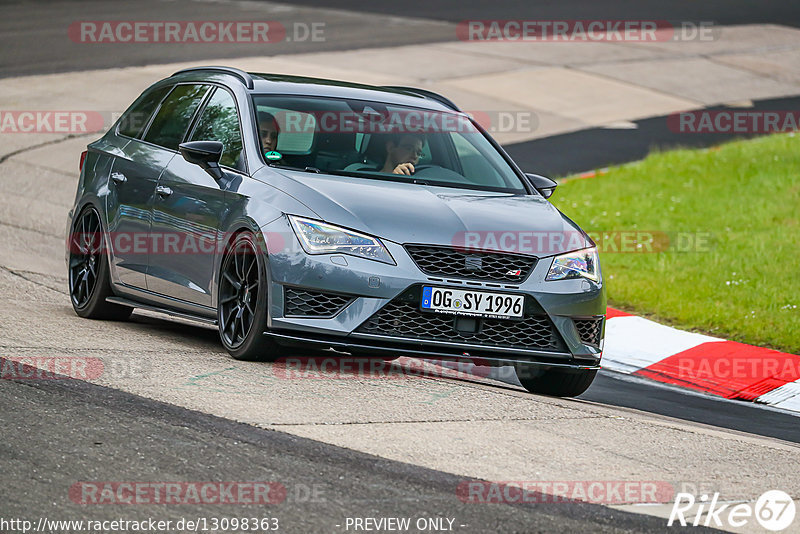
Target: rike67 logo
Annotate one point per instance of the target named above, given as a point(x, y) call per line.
point(774, 511)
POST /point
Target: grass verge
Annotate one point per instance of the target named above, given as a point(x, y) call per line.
point(725, 224)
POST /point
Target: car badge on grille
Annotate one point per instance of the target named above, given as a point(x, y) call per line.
point(473, 263)
point(514, 273)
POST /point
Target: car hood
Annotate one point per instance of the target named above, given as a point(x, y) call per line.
point(409, 213)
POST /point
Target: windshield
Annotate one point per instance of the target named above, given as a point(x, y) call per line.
point(356, 138)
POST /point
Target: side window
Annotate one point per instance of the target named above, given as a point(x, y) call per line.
point(136, 117)
point(172, 120)
point(219, 121)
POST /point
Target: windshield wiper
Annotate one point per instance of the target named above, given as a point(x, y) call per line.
point(374, 175)
point(301, 169)
point(398, 178)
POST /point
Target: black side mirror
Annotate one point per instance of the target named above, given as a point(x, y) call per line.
point(543, 184)
point(204, 153)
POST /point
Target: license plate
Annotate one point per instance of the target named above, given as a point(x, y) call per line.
point(472, 303)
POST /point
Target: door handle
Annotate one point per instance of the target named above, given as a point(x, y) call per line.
point(163, 191)
point(119, 177)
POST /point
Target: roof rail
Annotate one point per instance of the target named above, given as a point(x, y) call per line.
point(426, 94)
point(246, 79)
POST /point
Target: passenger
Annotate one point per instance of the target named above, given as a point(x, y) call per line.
point(268, 130)
point(402, 153)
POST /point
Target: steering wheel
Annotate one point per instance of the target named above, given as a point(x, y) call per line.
point(418, 168)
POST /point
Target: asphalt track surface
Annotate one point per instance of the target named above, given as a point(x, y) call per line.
point(725, 12)
point(595, 148)
point(34, 36)
point(639, 394)
point(45, 24)
point(57, 432)
point(64, 431)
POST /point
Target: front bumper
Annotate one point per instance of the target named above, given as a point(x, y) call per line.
point(372, 286)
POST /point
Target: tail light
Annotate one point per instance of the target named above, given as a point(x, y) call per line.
point(83, 159)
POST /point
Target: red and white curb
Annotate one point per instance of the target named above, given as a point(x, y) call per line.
point(640, 347)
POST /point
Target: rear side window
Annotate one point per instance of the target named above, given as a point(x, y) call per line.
point(219, 121)
point(173, 118)
point(136, 118)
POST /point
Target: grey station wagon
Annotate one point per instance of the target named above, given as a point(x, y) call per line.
point(300, 212)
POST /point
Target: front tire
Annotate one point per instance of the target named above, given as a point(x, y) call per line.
point(89, 279)
point(554, 381)
point(242, 302)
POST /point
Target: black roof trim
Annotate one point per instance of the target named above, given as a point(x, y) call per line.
point(424, 93)
point(246, 79)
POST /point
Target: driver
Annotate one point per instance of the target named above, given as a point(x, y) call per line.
point(402, 153)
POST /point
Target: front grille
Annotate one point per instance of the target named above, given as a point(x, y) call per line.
point(308, 303)
point(589, 330)
point(406, 320)
point(447, 261)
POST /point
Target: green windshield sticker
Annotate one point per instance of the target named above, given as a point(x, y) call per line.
point(273, 155)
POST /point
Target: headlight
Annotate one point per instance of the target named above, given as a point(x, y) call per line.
point(579, 264)
point(317, 237)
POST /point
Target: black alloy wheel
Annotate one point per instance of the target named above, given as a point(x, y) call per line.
point(242, 302)
point(89, 280)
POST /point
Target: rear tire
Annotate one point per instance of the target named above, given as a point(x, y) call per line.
point(556, 382)
point(87, 271)
point(242, 302)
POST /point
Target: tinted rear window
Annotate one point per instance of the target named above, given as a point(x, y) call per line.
point(173, 118)
point(136, 118)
